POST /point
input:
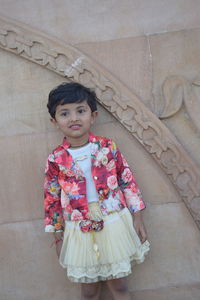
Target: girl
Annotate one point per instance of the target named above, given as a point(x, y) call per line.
point(90, 194)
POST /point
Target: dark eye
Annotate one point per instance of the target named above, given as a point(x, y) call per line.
point(64, 114)
point(81, 110)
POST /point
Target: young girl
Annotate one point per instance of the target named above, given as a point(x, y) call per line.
point(90, 194)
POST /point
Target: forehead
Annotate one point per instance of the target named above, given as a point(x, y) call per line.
point(71, 106)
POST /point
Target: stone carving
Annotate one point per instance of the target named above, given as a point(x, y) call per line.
point(116, 98)
point(178, 91)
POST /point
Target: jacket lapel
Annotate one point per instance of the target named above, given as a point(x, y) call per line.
point(66, 162)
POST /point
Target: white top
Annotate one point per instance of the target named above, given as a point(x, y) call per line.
point(83, 158)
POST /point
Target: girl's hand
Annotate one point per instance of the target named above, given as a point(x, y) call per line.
point(58, 242)
point(139, 227)
point(58, 247)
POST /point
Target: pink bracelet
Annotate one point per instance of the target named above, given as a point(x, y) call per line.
point(56, 242)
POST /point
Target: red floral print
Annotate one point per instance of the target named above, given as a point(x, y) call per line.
point(65, 185)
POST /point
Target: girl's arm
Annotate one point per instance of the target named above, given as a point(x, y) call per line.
point(131, 193)
point(52, 203)
point(127, 182)
point(139, 226)
point(58, 240)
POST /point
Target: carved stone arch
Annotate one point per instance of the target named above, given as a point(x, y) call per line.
point(123, 104)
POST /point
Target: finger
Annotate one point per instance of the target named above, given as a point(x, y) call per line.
point(143, 236)
point(137, 231)
point(144, 239)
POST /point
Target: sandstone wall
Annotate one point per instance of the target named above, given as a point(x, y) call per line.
point(162, 69)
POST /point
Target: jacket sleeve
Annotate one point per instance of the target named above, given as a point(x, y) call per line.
point(127, 182)
point(52, 203)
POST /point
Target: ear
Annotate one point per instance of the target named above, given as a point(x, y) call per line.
point(53, 121)
point(94, 116)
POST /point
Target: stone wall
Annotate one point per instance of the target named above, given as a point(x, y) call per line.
point(160, 71)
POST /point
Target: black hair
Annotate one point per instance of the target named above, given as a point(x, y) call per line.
point(70, 92)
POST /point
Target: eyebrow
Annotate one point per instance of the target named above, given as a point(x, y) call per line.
point(64, 109)
point(80, 106)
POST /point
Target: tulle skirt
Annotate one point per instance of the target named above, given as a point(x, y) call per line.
point(104, 255)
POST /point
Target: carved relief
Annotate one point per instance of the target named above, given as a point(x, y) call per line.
point(117, 99)
point(178, 92)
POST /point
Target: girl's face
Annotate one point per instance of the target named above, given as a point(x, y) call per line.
point(74, 120)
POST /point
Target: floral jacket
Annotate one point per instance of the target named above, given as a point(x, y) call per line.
point(65, 184)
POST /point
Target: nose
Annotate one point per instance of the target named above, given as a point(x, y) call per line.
point(74, 116)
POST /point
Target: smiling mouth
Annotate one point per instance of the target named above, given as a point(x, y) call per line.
point(75, 127)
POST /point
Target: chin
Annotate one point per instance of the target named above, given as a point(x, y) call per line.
point(76, 134)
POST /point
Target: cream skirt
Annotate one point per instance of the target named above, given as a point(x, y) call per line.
point(104, 255)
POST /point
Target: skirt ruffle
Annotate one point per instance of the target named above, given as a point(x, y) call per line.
point(118, 246)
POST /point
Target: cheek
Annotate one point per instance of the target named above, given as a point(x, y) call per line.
point(62, 123)
point(89, 123)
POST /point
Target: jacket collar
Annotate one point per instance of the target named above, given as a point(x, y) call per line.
point(65, 144)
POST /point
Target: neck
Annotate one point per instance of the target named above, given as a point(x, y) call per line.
point(77, 143)
point(78, 146)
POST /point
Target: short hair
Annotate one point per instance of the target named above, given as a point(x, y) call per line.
point(70, 92)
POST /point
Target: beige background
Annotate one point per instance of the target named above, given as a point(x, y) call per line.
point(141, 43)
